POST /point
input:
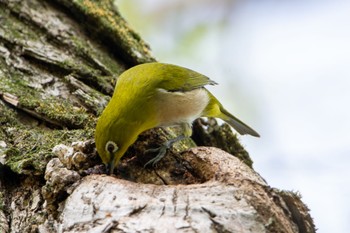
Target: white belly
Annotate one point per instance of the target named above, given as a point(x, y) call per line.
point(180, 107)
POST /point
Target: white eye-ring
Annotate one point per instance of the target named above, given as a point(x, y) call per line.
point(111, 147)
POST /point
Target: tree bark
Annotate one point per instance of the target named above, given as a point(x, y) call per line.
point(59, 61)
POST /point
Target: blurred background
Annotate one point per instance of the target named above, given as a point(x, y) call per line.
point(283, 67)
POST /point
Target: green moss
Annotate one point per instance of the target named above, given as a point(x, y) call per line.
point(29, 148)
point(34, 46)
point(103, 19)
point(53, 110)
point(58, 111)
point(7, 116)
point(11, 81)
point(16, 30)
point(24, 157)
point(7, 119)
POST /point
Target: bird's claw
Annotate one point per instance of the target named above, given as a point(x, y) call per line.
point(162, 150)
point(161, 153)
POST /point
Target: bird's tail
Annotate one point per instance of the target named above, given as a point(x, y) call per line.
point(237, 124)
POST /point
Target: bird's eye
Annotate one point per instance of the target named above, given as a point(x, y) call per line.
point(111, 147)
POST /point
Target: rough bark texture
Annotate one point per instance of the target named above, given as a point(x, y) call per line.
point(58, 64)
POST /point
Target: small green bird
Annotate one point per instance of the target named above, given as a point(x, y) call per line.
point(156, 95)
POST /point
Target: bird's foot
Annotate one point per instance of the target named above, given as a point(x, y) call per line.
point(161, 153)
point(162, 150)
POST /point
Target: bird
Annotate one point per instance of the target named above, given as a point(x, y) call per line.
point(154, 95)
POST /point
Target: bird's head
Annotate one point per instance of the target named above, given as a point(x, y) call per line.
point(110, 143)
point(112, 139)
point(108, 149)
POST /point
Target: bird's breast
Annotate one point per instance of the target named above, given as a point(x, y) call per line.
point(179, 107)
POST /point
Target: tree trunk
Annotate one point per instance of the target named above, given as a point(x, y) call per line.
point(59, 61)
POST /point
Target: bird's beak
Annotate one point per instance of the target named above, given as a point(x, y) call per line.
point(111, 164)
point(110, 167)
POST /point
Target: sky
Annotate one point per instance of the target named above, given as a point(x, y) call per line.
point(283, 68)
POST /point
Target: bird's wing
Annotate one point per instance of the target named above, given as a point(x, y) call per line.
point(175, 78)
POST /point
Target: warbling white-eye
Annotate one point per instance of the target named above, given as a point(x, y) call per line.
point(156, 95)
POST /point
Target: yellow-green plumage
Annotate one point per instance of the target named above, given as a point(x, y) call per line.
point(152, 95)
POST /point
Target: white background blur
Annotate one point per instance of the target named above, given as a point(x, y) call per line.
point(283, 67)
